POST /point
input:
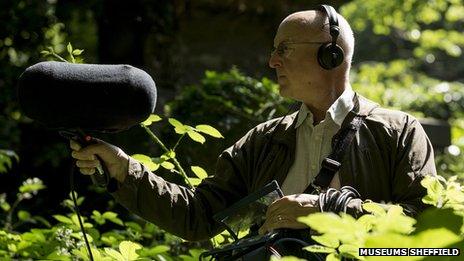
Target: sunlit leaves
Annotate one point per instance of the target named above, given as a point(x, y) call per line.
point(423, 239)
point(374, 208)
point(196, 136)
point(206, 129)
point(154, 251)
point(286, 258)
point(396, 18)
point(199, 172)
point(31, 185)
point(127, 251)
point(194, 133)
point(83, 255)
point(146, 161)
point(3, 203)
point(442, 193)
point(6, 157)
point(108, 215)
point(151, 119)
point(194, 255)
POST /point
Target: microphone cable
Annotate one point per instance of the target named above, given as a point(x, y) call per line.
point(76, 209)
point(80, 137)
point(336, 201)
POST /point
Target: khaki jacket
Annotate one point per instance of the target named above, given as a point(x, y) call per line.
point(386, 161)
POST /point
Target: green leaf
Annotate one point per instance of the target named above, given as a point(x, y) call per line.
point(63, 219)
point(114, 254)
point(127, 249)
point(374, 208)
point(199, 172)
point(196, 136)
point(75, 220)
point(69, 48)
point(3, 203)
point(42, 220)
point(97, 217)
point(24, 215)
point(333, 257)
point(175, 123)
point(77, 52)
point(429, 238)
point(109, 215)
point(5, 206)
point(170, 154)
point(439, 218)
point(321, 222)
point(286, 258)
point(146, 161)
point(31, 185)
point(194, 181)
point(154, 251)
point(152, 118)
point(44, 53)
point(349, 251)
point(134, 226)
point(113, 217)
point(327, 240)
point(181, 130)
point(319, 249)
point(207, 129)
point(434, 191)
point(388, 240)
point(167, 165)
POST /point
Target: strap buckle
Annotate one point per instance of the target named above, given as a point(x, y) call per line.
point(331, 164)
point(316, 188)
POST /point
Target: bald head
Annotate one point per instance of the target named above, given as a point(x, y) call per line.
point(313, 25)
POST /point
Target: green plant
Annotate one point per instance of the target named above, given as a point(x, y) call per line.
point(230, 100)
point(342, 235)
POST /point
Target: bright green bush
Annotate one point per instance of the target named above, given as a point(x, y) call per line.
point(441, 225)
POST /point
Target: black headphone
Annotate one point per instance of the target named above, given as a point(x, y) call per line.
point(330, 55)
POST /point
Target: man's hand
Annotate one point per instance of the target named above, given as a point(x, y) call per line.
point(284, 212)
point(115, 160)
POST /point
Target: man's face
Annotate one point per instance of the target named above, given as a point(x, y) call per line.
point(295, 60)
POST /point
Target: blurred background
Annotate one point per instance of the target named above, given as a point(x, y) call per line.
point(209, 61)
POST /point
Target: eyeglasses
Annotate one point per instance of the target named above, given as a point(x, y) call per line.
point(283, 49)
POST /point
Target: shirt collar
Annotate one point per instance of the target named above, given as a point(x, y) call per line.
point(337, 111)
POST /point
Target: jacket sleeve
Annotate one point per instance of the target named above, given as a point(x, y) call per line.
point(413, 159)
point(179, 210)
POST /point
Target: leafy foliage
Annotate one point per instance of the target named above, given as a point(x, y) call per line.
point(235, 103)
point(342, 235)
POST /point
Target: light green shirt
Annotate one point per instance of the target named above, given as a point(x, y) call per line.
point(314, 143)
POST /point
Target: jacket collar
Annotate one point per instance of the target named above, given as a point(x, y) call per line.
point(285, 132)
point(336, 112)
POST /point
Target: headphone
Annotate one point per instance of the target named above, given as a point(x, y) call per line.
point(330, 55)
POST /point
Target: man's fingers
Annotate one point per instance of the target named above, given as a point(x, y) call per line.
point(87, 163)
point(87, 171)
point(74, 145)
point(79, 155)
point(277, 206)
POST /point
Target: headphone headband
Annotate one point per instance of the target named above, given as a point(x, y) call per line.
point(330, 55)
point(333, 21)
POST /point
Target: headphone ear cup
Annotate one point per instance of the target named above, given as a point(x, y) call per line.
point(330, 56)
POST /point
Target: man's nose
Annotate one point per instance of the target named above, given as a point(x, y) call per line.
point(275, 61)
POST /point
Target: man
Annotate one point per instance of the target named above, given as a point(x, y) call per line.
point(386, 160)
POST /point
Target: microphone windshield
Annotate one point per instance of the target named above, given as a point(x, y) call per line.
point(89, 97)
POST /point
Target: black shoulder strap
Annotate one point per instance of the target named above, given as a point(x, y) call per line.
point(340, 143)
